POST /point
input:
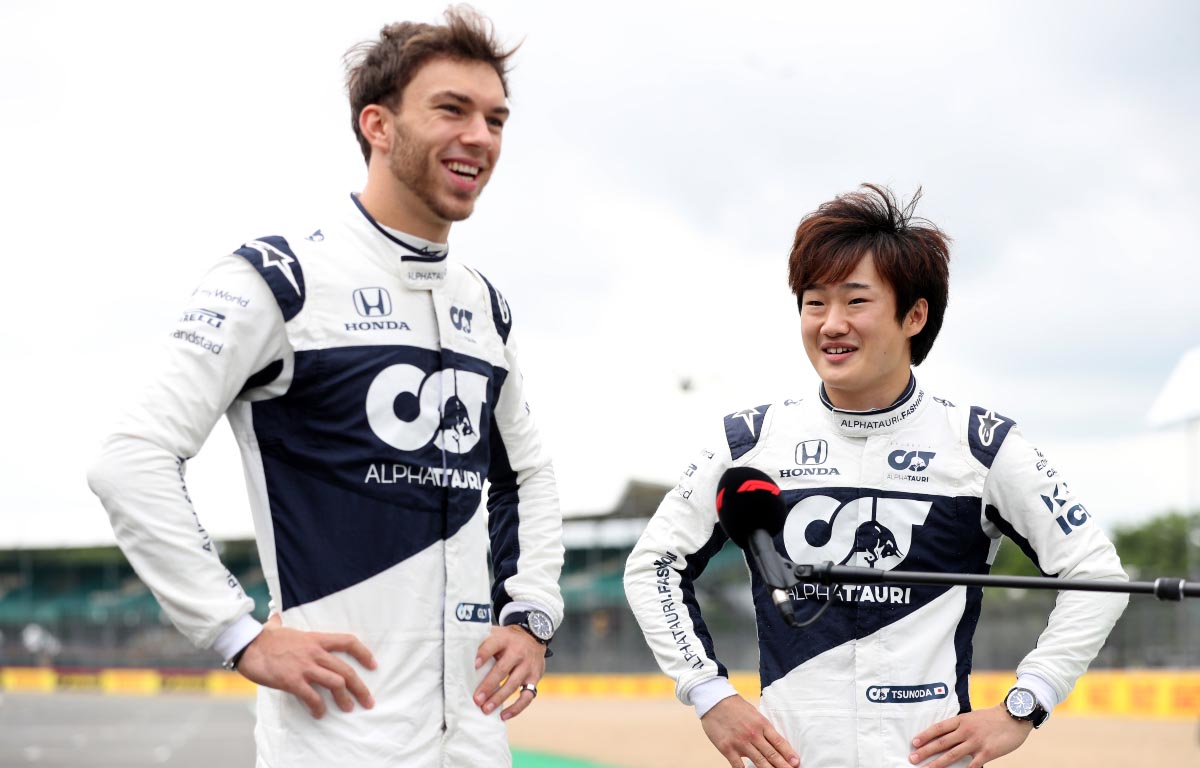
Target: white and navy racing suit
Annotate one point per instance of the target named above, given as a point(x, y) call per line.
point(923, 485)
point(373, 388)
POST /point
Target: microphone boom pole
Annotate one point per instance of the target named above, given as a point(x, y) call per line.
point(826, 573)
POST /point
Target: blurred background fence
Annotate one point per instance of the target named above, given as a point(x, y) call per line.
point(87, 608)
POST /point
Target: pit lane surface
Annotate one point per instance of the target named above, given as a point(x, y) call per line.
point(91, 730)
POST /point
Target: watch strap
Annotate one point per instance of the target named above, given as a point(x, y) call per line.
point(232, 662)
point(1039, 714)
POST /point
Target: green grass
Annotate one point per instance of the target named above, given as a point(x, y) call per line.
point(522, 759)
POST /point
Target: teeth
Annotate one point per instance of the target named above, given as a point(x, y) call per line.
point(838, 350)
point(463, 168)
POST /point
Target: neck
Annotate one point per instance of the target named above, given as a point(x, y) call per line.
point(394, 205)
point(874, 399)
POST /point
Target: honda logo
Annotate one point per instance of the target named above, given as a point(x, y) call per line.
point(373, 302)
point(812, 452)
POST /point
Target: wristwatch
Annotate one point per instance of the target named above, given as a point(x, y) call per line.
point(1023, 705)
point(231, 663)
point(537, 623)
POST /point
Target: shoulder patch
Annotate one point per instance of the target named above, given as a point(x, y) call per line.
point(986, 431)
point(275, 261)
point(500, 313)
point(743, 429)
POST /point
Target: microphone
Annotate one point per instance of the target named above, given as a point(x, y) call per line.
point(751, 511)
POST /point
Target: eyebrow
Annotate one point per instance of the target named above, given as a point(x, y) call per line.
point(851, 286)
point(462, 98)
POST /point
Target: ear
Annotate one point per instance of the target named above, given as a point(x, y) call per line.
point(914, 320)
point(375, 122)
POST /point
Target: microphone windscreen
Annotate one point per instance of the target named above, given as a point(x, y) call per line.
point(748, 500)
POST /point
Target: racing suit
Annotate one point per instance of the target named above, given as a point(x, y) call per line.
point(923, 485)
point(372, 385)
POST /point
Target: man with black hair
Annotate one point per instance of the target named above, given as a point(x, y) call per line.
point(874, 472)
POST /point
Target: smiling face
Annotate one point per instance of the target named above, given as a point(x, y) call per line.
point(853, 340)
point(435, 154)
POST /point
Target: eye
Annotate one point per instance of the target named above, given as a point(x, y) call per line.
point(453, 109)
point(814, 303)
point(495, 122)
point(858, 300)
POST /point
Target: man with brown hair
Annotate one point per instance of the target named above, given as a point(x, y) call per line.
point(372, 384)
point(876, 473)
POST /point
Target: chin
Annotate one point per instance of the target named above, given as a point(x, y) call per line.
point(455, 212)
point(846, 385)
point(458, 208)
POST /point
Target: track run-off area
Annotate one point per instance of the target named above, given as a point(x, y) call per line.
point(189, 719)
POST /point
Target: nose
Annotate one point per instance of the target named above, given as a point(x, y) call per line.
point(477, 133)
point(835, 323)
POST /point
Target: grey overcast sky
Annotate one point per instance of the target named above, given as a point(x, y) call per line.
point(659, 157)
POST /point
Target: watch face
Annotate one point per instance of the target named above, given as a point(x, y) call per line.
point(540, 625)
point(1020, 702)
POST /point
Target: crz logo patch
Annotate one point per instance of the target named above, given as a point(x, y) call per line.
point(868, 531)
point(461, 319)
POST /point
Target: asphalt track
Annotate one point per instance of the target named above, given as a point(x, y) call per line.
point(83, 730)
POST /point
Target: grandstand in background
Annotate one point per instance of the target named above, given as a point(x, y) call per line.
point(85, 608)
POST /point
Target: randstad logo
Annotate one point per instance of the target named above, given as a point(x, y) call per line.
point(373, 302)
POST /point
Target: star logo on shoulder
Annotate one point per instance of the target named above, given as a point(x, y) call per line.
point(988, 423)
point(747, 416)
point(273, 257)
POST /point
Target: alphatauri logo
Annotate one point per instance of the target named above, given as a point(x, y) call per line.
point(868, 531)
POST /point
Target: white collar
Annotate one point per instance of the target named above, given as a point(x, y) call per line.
point(424, 261)
point(876, 422)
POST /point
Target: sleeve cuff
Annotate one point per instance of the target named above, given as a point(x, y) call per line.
point(1042, 690)
point(237, 636)
point(708, 694)
point(521, 606)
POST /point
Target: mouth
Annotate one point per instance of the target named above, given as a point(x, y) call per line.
point(463, 170)
point(837, 352)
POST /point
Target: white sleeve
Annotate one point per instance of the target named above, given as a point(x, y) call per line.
point(229, 329)
point(672, 552)
point(524, 519)
point(1026, 499)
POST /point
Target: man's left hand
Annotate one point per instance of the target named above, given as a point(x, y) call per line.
point(984, 734)
point(520, 659)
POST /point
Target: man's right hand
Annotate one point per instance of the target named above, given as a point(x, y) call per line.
point(739, 730)
point(294, 661)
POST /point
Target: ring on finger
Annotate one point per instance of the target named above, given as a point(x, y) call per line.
point(531, 687)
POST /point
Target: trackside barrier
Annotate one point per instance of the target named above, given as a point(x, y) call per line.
point(1159, 693)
